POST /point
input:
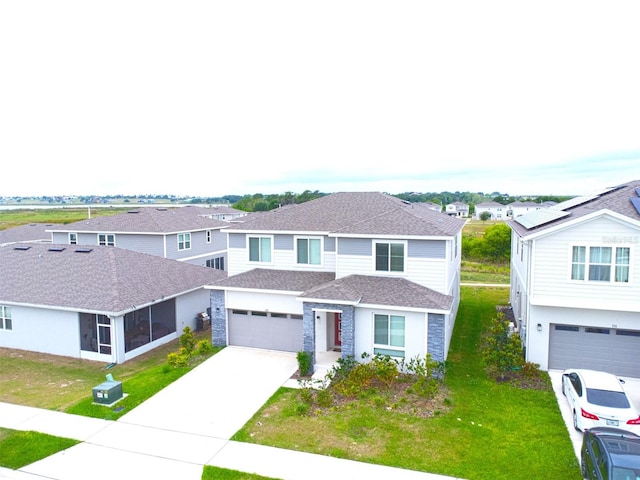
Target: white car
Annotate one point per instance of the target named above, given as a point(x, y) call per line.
point(598, 399)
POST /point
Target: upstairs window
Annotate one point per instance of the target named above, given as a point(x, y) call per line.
point(184, 241)
point(5, 318)
point(260, 249)
point(208, 236)
point(600, 264)
point(73, 239)
point(389, 257)
point(107, 239)
point(309, 251)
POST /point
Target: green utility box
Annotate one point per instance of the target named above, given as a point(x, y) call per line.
point(107, 393)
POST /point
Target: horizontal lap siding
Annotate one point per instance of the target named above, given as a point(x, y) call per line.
point(553, 259)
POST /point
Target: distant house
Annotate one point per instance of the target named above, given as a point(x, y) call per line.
point(457, 209)
point(436, 207)
point(95, 302)
point(189, 234)
point(223, 213)
point(354, 272)
point(515, 209)
point(575, 272)
point(497, 211)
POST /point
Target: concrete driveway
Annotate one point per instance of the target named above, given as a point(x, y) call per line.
point(632, 386)
point(218, 397)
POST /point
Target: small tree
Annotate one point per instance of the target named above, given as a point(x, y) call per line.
point(484, 216)
point(503, 349)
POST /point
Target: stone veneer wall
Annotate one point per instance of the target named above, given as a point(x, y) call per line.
point(218, 319)
point(435, 336)
point(309, 327)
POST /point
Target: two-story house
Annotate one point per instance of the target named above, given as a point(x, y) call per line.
point(355, 272)
point(575, 282)
point(189, 234)
point(497, 211)
point(457, 209)
point(515, 209)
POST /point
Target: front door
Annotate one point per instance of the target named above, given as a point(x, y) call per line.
point(338, 329)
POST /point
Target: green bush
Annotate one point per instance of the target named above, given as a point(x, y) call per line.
point(304, 363)
point(188, 340)
point(502, 349)
point(203, 347)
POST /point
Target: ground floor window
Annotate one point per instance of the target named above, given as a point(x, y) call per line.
point(148, 324)
point(388, 337)
point(5, 318)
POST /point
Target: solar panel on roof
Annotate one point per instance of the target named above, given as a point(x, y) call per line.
point(540, 217)
point(638, 191)
point(56, 249)
point(636, 203)
point(84, 250)
point(574, 202)
point(22, 247)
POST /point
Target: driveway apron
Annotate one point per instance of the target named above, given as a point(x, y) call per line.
point(219, 396)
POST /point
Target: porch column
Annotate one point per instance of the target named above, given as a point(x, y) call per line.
point(309, 332)
point(218, 319)
point(348, 331)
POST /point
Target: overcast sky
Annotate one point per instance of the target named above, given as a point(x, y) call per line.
point(216, 97)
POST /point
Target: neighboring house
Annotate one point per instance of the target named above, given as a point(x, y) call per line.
point(515, 209)
point(436, 207)
point(186, 233)
point(575, 282)
point(495, 209)
point(223, 213)
point(33, 232)
point(98, 303)
point(457, 209)
point(355, 272)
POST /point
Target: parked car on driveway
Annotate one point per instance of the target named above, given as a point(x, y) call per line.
point(610, 454)
point(598, 399)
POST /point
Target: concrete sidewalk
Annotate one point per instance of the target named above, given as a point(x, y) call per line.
point(184, 427)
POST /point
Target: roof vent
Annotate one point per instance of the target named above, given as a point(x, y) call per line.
point(56, 249)
point(83, 250)
point(133, 211)
point(22, 247)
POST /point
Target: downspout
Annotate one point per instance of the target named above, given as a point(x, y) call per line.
point(529, 292)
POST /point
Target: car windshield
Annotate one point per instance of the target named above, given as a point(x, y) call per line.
point(607, 398)
point(620, 473)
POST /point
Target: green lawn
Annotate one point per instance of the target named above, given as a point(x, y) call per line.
point(20, 448)
point(484, 430)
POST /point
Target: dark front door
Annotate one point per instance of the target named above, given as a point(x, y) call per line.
point(338, 329)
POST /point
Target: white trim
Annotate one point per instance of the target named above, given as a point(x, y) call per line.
point(405, 254)
point(295, 251)
point(248, 250)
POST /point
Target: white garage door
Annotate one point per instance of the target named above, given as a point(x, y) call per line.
point(270, 331)
point(608, 349)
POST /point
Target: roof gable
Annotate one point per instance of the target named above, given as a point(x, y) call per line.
point(618, 201)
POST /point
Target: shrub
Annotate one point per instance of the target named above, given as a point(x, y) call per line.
point(187, 339)
point(503, 349)
point(304, 363)
point(204, 346)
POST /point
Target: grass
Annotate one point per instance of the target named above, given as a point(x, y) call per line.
point(216, 473)
point(477, 272)
point(485, 430)
point(15, 218)
point(65, 384)
point(20, 448)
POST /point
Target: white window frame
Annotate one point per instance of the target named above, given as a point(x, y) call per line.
point(107, 239)
point(73, 238)
point(388, 271)
point(184, 241)
point(308, 239)
point(398, 351)
point(260, 249)
point(613, 265)
point(6, 321)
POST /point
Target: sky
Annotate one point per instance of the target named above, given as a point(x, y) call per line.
point(212, 98)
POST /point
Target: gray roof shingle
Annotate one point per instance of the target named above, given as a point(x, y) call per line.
point(355, 213)
point(617, 199)
point(149, 220)
point(33, 232)
point(105, 279)
point(359, 289)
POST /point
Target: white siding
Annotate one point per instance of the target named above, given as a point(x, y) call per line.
point(415, 332)
point(551, 275)
point(42, 330)
point(261, 302)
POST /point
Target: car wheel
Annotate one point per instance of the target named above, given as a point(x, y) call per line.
point(575, 421)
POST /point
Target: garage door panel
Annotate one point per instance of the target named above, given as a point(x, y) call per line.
point(609, 350)
point(272, 333)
